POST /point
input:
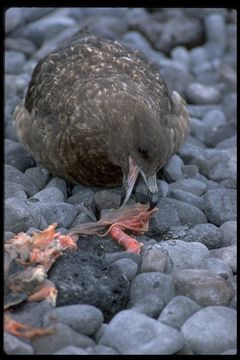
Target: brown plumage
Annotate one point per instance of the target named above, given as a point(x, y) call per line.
point(99, 114)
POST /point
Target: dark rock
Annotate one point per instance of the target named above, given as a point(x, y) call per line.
point(91, 280)
point(220, 205)
point(84, 215)
point(229, 232)
point(57, 212)
point(62, 337)
point(202, 286)
point(127, 267)
point(188, 214)
point(228, 255)
point(14, 346)
point(17, 156)
point(84, 319)
point(39, 176)
point(20, 215)
point(152, 283)
point(112, 257)
point(185, 255)
point(186, 197)
point(107, 199)
point(127, 334)
point(84, 196)
point(218, 330)
point(177, 311)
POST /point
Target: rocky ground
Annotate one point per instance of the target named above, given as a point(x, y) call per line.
point(179, 295)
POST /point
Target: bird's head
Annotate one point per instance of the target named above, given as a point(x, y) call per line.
point(150, 138)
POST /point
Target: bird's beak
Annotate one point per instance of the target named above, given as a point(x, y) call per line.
point(151, 184)
point(150, 181)
point(133, 172)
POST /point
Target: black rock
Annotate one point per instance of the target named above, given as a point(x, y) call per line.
point(83, 278)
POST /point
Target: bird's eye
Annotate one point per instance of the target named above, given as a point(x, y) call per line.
point(143, 152)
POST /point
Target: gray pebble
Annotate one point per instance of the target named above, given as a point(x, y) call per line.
point(185, 255)
point(23, 45)
point(177, 311)
point(190, 185)
point(71, 350)
point(186, 197)
point(127, 267)
point(8, 235)
point(84, 319)
point(189, 171)
point(216, 35)
point(100, 331)
point(202, 286)
point(14, 175)
point(230, 106)
point(220, 205)
point(150, 305)
point(211, 330)
point(107, 199)
point(59, 183)
point(217, 266)
point(17, 156)
point(57, 212)
point(198, 129)
point(198, 111)
point(39, 175)
point(228, 143)
point(176, 79)
point(154, 259)
point(20, 215)
point(229, 232)
point(227, 254)
point(14, 61)
point(154, 283)
point(207, 234)
point(12, 189)
point(62, 337)
point(101, 350)
point(214, 118)
point(13, 19)
point(203, 94)
point(85, 196)
point(198, 56)
point(112, 257)
point(173, 169)
point(49, 195)
point(188, 214)
point(14, 346)
point(127, 334)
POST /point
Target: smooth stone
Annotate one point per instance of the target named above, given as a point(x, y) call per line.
point(62, 337)
point(82, 318)
point(176, 79)
point(71, 350)
point(199, 111)
point(217, 266)
point(33, 13)
point(20, 215)
point(12, 189)
point(127, 267)
point(155, 283)
point(107, 199)
point(173, 169)
point(207, 234)
point(229, 232)
point(188, 214)
point(101, 350)
point(214, 118)
point(227, 254)
point(39, 175)
point(14, 61)
point(59, 183)
point(84, 196)
point(150, 305)
point(211, 330)
point(203, 94)
point(186, 197)
point(13, 19)
point(202, 286)
point(57, 212)
point(49, 195)
point(127, 334)
point(14, 346)
point(8, 235)
point(23, 45)
point(185, 255)
point(15, 175)
point(228, 143)
point(220, 205)
point(154, 259)
point(215, 26)
point(189, 171)
point(189, 185)
point(177, 311)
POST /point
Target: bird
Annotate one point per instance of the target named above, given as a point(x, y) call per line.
point(100, 114)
